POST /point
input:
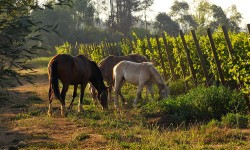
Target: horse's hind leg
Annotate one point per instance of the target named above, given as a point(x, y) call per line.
point(50, 101)
point(94, 93)
point(117, 88)
point(63, 94)
point(83, 86)
point(74, 96)
point(120, 93)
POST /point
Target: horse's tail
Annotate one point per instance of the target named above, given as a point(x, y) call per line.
point(54, 79)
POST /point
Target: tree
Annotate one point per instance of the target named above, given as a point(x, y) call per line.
point(179, 11)
point(219, 17)
point(234, 19)
point(202, 16)
point(19, 39)
point(165, 23)
point(208, 15)
point(121, 16)
point(145, 6)
point(72, 22)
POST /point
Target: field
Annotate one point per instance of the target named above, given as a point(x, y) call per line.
point(24, 123)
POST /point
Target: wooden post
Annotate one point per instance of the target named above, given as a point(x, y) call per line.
point(248, 27)
point(150, 47)
point(216, 58)
point(130, 45)
point(230, 49)
point(160, 54)
point(107, 48)
point(181, 64)
point(200, 55)
point(229, 45)
point(190, 62)
point(169, 57)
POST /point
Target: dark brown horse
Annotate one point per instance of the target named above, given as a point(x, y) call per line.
point(106, 66)
point(73, 71)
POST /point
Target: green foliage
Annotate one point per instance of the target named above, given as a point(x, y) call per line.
point(204, 104)
point(235, 120)
point(20, 39)
point(177, 88)
point(234, 69)
point(66, 48)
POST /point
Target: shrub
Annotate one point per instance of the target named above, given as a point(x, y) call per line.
point(177, 88)
point(204, 104)
point(235, 120)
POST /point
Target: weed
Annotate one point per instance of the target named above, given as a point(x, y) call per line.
point(235, 120)
point(81, 137)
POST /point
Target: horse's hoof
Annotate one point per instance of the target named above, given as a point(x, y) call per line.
point(49, 114)
point(135, 105)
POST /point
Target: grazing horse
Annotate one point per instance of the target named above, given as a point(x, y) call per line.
point(73, 71)
point(106, 66)
point(140, 74)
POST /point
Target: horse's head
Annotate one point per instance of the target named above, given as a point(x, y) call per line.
point(103, 97)
point(164, 92)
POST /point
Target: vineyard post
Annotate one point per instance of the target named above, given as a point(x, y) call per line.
point(135, 41)
point(88, 50)
point(169, 56)
point(230, 49)
point(229, 44)
point(181, 64)
point(218, 64)
point(109, 49)
point(160, 54)
point(190, 62)
point(248, 27)
point(102, 49)
point(118, 48)
point(150, 47)
point(247, 96)
point(200, 55)
point(130, 45)
point(105, 48)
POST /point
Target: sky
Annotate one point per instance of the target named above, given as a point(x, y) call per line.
point(243, 6)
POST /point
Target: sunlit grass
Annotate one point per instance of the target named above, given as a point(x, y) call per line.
point(123, 128)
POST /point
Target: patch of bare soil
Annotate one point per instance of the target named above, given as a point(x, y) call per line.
point(41, 131)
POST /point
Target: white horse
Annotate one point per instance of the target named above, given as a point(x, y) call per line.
point(140, 74)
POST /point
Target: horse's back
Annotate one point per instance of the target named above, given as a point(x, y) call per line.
point(71, 69)
point(136, 58)
point(133, 72)
point(106, 65)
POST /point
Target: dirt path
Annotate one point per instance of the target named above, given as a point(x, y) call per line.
point(19, 130)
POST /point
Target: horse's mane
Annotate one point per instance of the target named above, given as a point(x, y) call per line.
point(96, 69)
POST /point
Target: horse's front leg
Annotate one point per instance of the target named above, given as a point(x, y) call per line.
point(151, 90)
point(83, 86)
point(63, 95)
point(110, 92)
point(138, 95)
point(74, 96)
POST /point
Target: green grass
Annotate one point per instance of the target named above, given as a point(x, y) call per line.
point(40, 62)
point(125, 128)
